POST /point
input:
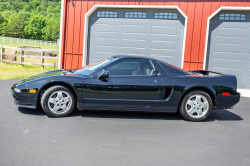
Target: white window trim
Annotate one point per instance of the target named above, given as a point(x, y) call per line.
point(208, 25)
point(86, 24)
point(60, 44)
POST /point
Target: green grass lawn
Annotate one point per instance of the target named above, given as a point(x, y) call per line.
point(53, 47)
point(15, 71)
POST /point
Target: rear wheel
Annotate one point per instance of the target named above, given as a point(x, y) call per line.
point(196, 106)
point(58, 101)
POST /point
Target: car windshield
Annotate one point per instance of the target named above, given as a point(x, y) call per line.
point(92, 68)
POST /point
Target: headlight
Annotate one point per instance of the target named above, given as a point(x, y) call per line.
point(17, 90)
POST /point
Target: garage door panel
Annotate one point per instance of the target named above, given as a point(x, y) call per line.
point(98, 55)
point(138, 37)
point(168, 38)
point(229, 47)
point(230, 40)
point(248, 81)
point(105, 28)
point(133, 43)
point(134, 29)
point(239, 80)
point(132, 53)
point(231, 32)
point(166, 58)
point(228, 64)
point(164, 30)
point(105, 42)
point(163, 45)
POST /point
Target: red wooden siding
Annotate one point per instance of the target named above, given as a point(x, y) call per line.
point(197, 12)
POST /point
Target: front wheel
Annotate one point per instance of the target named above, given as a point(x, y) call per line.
point(196, 106)
point(58, 101)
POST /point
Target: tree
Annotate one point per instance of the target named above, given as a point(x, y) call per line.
point(5, 6)
point(34, 27)
point(40, 9)
point(52, 29)
point(35, 19)
point(1, 18)
point(5, 17)
point(3, 23)
point(15, 28)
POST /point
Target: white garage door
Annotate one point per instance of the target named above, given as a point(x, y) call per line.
point(229, 45)
point(139, 32)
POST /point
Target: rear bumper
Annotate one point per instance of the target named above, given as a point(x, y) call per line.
point(227, 101)
point(23, 100)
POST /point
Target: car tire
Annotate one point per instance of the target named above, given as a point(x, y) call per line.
point(58, 101)
point(196, 106)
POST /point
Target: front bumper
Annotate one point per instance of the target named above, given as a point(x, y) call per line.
point(24, 106)
point(23, 100)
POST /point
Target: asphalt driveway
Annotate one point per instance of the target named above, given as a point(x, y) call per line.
point(29, 137)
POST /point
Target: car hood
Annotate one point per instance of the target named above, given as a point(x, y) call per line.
point(46, 74)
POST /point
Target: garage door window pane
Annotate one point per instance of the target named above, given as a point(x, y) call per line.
point(243, 17)
point(233, 16)
point(168, 16)
point(135, 15)
point(106, 14)
point(237, 17)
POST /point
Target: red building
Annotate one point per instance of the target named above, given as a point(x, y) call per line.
point(212, 35)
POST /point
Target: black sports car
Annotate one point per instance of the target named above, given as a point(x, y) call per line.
point(128, 83)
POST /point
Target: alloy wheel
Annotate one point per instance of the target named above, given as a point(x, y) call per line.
point(59, 102)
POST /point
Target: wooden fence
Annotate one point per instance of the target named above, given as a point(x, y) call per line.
point(22, 56)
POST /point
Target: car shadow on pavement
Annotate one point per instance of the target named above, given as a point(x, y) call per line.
point(126, 115)
point(38, 111)
point(219, 115)
point(223, 115)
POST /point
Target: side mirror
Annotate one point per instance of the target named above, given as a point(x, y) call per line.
point(104, 74)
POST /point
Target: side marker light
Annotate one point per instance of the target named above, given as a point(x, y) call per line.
point(32, 91)
point(225, 93)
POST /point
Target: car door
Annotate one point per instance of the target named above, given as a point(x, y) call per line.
point(131, 84)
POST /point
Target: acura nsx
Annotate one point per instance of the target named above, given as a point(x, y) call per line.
point(128, 83)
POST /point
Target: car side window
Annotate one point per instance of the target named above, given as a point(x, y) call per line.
point(172, 71)
point(131, 67)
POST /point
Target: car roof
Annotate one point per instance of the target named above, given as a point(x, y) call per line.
point(129, 56)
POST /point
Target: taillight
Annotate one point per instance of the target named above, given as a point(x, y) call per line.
point(225, 93)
